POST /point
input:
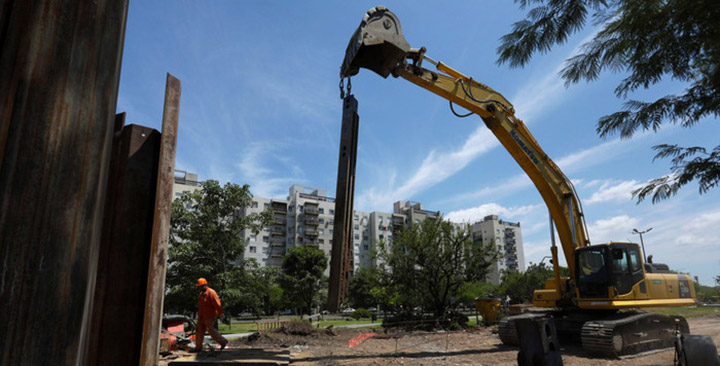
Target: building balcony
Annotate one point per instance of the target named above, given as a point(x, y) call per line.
point(280, 208)
point(309, 210)
point(312, 221)
point(278, 221)
point(312, 243)
point(276, 231)
point(310, 232)
point(278, 243)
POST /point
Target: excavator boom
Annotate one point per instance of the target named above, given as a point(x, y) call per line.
point(603, 278)
point(379, 45)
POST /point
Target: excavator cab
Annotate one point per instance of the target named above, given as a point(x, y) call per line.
point(378, 44)
point(609, 270)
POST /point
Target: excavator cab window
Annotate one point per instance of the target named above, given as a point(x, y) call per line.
point(626, 270)
point(592, 272)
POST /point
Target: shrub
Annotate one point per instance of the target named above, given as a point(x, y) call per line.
point(361, 313)
point(409, 321)
point(297, 327)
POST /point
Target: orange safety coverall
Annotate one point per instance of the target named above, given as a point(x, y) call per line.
point(209, 309)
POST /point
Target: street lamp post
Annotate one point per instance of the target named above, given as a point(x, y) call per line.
point(636, 231)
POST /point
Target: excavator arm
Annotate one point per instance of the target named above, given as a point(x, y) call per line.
point(380, 45)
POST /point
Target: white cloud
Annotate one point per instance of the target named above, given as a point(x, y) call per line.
point(475, 214)
point(434, 169)
point(254, 168)
point(615, 228)
point(613, 191)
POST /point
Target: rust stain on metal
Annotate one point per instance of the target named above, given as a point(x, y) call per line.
point(161, 225)
point(59, 71)
point(124, 253)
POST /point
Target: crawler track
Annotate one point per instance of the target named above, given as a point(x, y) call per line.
point(608, 335)
point(631, 334)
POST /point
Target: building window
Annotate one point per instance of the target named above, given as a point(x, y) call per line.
point(357, 227)
point(253, 237)
point(331, 231)
point(357, 217)
point(366, 247)
point(321, 221)
point(178, 195)
point(322, 211)
point(332, 212)
point(253, 250)
point(357, 236)
point(321, 231)
point(300, 209)
point(381, 236)
point(266, 205)
point(254, 204)
point(266, 239)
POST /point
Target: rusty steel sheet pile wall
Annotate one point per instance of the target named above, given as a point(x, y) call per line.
point(340, 264)
point(133, 250)
point(59, 76)
point(124, 250)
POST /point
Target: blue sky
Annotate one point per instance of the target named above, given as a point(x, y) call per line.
point(260, 105)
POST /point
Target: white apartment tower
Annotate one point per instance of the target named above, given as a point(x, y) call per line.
point(508, 239)
point(306, 218)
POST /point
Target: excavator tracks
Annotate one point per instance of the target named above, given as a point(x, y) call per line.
point(636, 333)
point(623, 333)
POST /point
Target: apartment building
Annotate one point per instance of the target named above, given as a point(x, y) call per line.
point(507, 236)
point(184, 182)
point(306, 218)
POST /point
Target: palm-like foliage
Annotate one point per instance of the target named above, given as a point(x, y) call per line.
point(650, 41)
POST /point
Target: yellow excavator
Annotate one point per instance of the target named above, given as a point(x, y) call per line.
point(600, 302)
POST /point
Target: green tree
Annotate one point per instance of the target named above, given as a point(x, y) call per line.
point(470, 291)
point(650, 41)
point(360, 289)
point(269, 291)
point(302, 278)
point(430, 261)
point(206, 241)
point(519, 286)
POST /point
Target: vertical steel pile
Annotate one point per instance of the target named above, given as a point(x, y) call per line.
point(342, 246)
point(59, 76)
point(62, 222)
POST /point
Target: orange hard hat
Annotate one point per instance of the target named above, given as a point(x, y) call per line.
point(201, 281)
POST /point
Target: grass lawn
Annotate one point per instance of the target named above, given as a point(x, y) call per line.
point(686, 311)
point(251, 327)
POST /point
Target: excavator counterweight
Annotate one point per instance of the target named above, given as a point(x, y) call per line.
point(378, 44)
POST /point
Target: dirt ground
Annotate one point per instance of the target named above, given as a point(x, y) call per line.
point(478, 346)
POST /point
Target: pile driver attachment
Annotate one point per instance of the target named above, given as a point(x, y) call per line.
point(378, 44)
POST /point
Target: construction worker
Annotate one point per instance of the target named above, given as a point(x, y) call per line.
point(209, 309)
